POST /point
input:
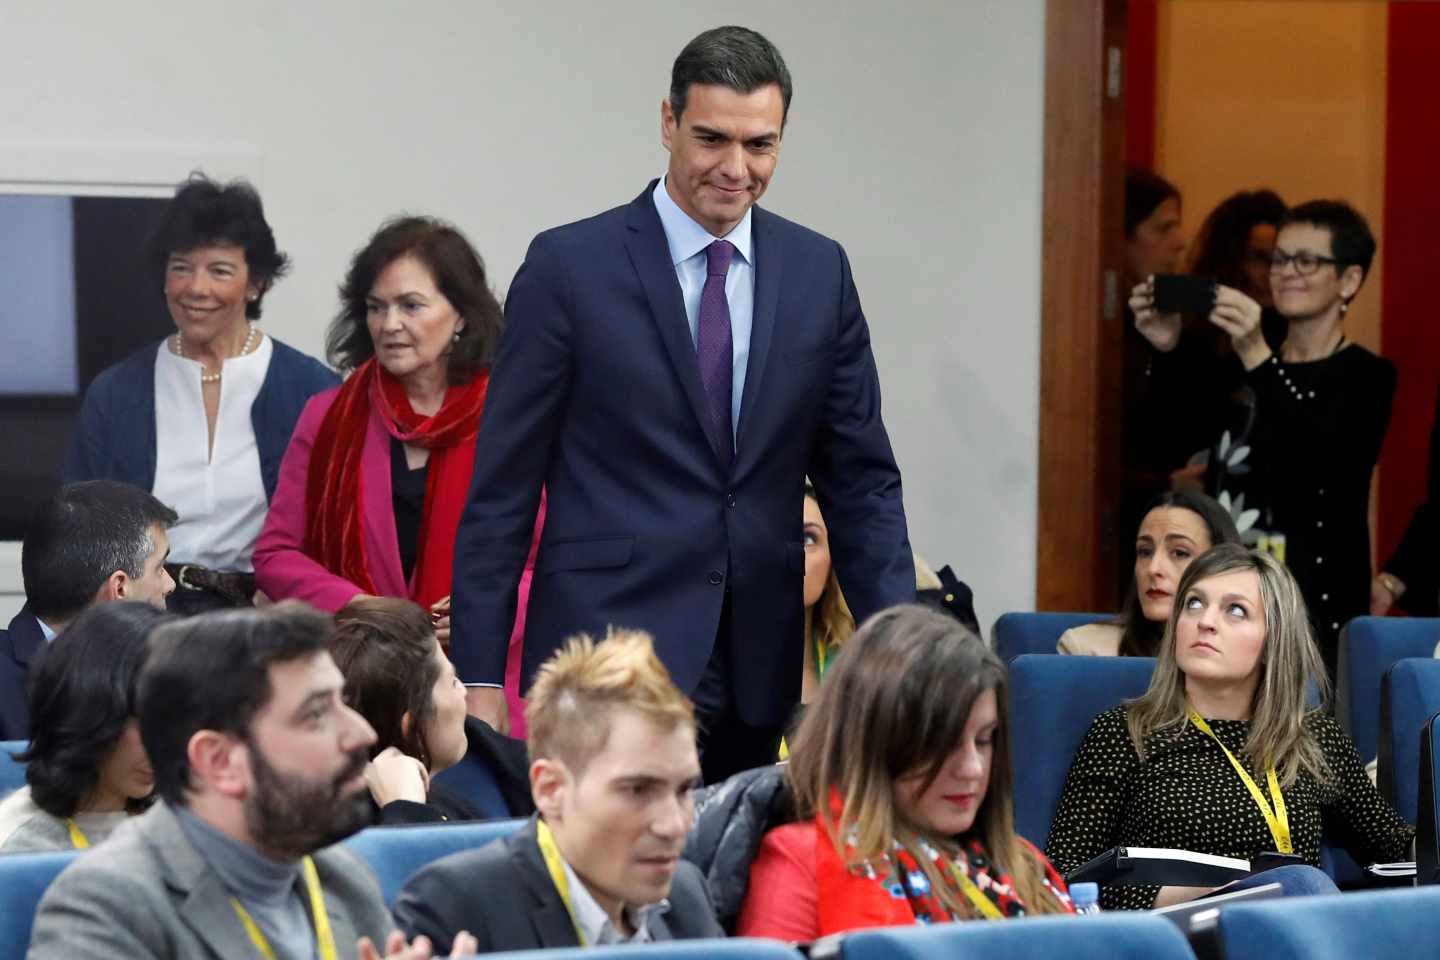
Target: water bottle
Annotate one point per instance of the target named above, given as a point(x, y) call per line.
point(1086, 898)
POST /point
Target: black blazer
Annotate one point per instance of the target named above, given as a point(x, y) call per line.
point(596, 397)
point(503, 894)
point(18, 647)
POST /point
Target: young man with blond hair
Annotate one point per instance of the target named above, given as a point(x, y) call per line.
point(612, 767)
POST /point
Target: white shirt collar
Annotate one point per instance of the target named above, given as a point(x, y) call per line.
point(596, 929)
point(686, 238)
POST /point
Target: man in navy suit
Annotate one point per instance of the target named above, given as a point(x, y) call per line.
point(671, 371)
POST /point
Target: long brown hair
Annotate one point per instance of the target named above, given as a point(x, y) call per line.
point(894, 705)
point(1289, 663)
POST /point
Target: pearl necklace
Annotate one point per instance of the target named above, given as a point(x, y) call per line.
point(177, 347)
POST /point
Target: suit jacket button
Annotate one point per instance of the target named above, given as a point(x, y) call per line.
point(716, 577)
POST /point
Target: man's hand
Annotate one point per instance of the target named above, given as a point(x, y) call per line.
point(394, 775)
point(396, 948)
point(488, 704)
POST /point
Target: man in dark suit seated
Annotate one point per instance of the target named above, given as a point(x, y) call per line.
point(613, 764)
point(259, 766)
point(90, 543)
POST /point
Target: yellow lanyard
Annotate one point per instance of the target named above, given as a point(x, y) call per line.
point(987, 908)
point(323, 936)
point(77, 839)
point(556, 865)
point(1276, 818)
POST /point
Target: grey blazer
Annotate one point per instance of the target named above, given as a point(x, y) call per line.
point(147, 894)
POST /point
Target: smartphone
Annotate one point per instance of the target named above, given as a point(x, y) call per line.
point(1182, 293)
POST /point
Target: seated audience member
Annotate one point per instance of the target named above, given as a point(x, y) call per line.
point(900, 773)
point(259, 766)
point(828, 621)
point(1316, 410)
point(377, 473)
point(90, 543)
point(201, 419)
point(401, 682)
point(1411, 577)
point(1177, 527)
point(1223, 755)
point(85, 767)
point(612, 742)
point(1234, 246)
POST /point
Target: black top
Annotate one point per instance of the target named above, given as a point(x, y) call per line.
point(1414, 559)
point(1187, 796)
point(1317, 431)
point(408, 496)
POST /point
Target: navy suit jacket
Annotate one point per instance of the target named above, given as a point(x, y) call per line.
point(596, 396)
point(18, 647)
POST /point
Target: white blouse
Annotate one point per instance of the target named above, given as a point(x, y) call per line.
point(219, 496)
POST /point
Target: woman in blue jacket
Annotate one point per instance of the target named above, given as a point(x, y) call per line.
point(202, 418)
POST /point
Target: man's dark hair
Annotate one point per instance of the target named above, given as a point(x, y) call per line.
point(1351, 242)
point(459, 274)
point(212, 672)
point(82, 535)
point(734, 57)
point(1144, 191)
point(204, 214)
point(82, 693)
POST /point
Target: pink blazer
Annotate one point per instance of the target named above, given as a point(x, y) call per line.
point(283, 570)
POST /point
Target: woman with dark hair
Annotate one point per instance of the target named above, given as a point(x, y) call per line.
point(1177, 527)
point(377, 474)
point(401, 682)
point(1224, 754)
point(1316, 410)
point(85, 768)
point(202, 419)
point(901, 778)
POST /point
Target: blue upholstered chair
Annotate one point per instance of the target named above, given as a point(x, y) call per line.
point(1382, 923)
point(473, 779)
point(1053, 699)
point(1368, 647)
point(394, 853)
point(12, 773)
point(1015, 634)
point(23, 879)
point(735, 948)
point(1427, 817)
point(1110, 936)
point(1410, 696)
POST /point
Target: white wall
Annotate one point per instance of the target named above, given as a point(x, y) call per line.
point(914, 139)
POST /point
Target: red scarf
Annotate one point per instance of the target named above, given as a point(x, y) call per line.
point(335, 528)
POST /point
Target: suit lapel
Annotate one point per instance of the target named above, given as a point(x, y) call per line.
point(769, 263)
point(650, 254)
point(26, 637)
point(551, 918)
point(205, 905)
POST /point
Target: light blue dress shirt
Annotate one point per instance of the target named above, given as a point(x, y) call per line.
point(687, 241)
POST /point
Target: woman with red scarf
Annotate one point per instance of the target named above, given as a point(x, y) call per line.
point(375, 478)
point(901, 774)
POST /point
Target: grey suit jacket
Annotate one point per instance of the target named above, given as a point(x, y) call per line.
point(146, 893)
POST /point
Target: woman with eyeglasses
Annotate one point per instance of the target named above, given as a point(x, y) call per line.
point(1317, 410)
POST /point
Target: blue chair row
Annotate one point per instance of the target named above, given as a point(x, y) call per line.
point(1409, 697)
point(1382, 923)
point(1016, 634)
point(1369, 646)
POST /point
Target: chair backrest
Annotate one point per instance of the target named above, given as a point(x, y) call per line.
point(12, 772)
point(23, 880)
point(734, 948)
point(394, 853)
point(1110, 936)
point(1427, 817)
point(1409, 697)
point(1368, 647)
point(474, 780)
point(1053, 700)
point(1020, 633)
point(1382, 923)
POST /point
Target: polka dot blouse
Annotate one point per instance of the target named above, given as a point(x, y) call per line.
point(1186, 796)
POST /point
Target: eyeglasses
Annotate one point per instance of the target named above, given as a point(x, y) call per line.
point(1305, 262)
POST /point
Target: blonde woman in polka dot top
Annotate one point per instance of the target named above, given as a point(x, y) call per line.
point(1237, 656)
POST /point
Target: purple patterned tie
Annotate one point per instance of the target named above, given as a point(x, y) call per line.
point(713, 345)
